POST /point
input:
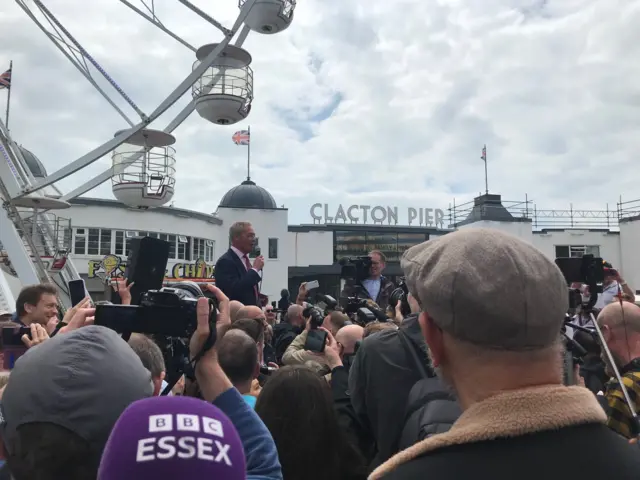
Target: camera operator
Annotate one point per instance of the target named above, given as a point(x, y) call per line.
point(375, 287)
point(620, 324)
point(612, 286)
point(493, 307)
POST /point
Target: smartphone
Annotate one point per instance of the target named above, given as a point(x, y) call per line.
point(77, 291)
point(12, 345)
point(312, 284)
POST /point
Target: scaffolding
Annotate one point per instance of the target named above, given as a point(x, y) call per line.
point(549, 219)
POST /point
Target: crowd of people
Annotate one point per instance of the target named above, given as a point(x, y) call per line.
point(470, 383)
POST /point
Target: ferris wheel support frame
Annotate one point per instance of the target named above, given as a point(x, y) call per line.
point(175, 123)
point(121, 138)
point(153, 18)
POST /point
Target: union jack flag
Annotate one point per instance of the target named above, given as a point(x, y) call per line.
point(484, 153)
point(241, 137)
point(5, 80)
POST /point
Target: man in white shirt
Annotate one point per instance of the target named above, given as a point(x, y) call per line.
point(613, 286)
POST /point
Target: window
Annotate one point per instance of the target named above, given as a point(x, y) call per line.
point(358, 243)
point(184, 250)
point(80, 242)
point(577, 251)
point(198, 248)
point(128, 236)
point(105, 242)
point(119, 244)
point(273, 248)
point(209, 251)
point(256, 247)
point(94, 241)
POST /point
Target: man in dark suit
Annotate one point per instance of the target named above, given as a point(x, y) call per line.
point(234, 273)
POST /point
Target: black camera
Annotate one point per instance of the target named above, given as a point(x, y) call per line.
point(315, 316)
point(400, 294)
point(587, 270)
point(316, 339)
point(169, 312)
point(355, 268)
point(362, 310)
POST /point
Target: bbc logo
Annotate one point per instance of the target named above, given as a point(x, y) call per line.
point(185, 423)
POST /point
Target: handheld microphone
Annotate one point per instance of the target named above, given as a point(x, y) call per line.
point(258, 251)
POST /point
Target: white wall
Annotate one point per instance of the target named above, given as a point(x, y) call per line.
point(630, 252)
point(311, 248)
point(142, 220)
point(609, 243)
point(267, 224)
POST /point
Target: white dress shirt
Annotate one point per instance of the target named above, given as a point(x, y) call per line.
point(242, 256)
point(607, 296)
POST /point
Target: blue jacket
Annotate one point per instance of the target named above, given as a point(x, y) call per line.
point(259, 448)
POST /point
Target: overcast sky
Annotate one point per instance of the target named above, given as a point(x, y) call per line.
point(362, 101)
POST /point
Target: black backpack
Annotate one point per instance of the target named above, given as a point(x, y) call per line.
point(431, 408)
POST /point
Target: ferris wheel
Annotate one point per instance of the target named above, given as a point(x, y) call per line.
point(142, 172)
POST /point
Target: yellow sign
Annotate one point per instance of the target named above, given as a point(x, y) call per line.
point(112, 266)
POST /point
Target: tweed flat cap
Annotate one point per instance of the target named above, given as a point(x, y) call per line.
point(488, 288)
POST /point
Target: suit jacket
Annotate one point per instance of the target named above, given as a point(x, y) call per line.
point(235, 281)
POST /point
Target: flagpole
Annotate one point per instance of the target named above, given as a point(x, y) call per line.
point(6, 117)
point(249, 154)
point(486, 178)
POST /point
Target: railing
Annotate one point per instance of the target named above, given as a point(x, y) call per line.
point(38, 229)
point(549, 219)
point(628, 209)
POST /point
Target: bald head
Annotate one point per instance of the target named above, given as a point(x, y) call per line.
point(250, 311)
point(348, 336)
point(234, 306)
point(620, 314)
point(294, 315)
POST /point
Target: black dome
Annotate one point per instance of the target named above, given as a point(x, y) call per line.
point(35, 165)
point(248, 195)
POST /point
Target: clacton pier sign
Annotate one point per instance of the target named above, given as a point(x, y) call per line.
point(376, 215)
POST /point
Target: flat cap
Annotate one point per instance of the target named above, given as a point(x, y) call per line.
point(488, 288)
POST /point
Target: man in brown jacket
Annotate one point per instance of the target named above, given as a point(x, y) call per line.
point(492, 312)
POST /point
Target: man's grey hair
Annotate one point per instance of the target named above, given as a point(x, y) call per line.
point(149, 353)
point(238, 229)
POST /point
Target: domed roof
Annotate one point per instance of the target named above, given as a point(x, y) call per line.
point(248, 195)
point(34, 165)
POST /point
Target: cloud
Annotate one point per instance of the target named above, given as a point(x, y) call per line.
point(362, 101)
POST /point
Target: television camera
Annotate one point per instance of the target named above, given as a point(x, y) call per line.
point(355, 269)
point(361, 310)
point(590, 271)
point(170, 316)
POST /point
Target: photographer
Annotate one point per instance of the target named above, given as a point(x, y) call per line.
point(620, 324)
point(612, 286)
point(375, 287)
point(296, 354)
